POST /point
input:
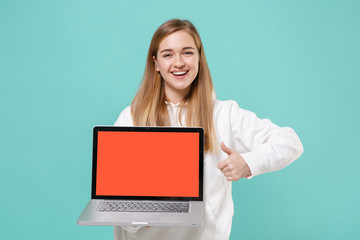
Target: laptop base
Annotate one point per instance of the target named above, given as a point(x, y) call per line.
point(91, 217)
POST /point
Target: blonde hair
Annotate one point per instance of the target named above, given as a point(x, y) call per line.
point(149, 108)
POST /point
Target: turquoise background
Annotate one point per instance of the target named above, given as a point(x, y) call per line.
point(66, 66)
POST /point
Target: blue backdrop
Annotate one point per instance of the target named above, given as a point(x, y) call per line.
point(66, 66)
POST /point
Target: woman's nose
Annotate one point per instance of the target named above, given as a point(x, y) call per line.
point(179, 63)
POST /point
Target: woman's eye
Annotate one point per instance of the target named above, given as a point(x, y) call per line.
point(189, 53)
point(167, 55)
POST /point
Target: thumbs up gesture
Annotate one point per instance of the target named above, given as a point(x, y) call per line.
point(234, 167)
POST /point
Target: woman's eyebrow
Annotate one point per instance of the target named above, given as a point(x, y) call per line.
point(166, 50)
point(169, 50)
point(185, 48)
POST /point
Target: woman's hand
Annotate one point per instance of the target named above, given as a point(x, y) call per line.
point(234, 167)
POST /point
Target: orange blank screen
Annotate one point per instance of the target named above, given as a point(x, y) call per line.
point(148, 164)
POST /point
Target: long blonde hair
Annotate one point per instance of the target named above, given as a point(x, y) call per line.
point(149, 108)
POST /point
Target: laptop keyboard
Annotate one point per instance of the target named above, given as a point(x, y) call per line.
point(113, 206)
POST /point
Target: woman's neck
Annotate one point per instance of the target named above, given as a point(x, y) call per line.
point(176, 97)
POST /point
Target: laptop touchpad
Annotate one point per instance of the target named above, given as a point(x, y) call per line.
point(143, 217)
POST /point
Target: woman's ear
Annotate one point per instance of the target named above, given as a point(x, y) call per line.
point(156, 65)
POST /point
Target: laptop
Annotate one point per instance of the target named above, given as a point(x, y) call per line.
point(146, 176)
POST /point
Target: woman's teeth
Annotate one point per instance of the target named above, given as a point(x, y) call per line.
point(179, 73)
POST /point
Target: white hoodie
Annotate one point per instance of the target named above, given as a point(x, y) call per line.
point(265, 147)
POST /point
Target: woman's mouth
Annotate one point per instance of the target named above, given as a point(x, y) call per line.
point(179, 74)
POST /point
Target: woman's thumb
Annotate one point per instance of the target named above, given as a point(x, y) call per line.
point(225, 149)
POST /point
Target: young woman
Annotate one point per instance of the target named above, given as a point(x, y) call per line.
point(177, 90)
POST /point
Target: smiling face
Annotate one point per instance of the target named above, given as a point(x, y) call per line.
point(178, 63)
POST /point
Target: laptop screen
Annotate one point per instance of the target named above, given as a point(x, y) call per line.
point(148, 162)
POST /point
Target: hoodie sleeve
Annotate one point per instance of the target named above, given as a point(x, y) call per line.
point(124, 118)
point(270, 147)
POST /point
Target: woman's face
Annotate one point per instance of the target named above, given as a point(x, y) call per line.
point(178, 63)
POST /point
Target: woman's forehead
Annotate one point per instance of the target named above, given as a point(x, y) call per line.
point(177, 41)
